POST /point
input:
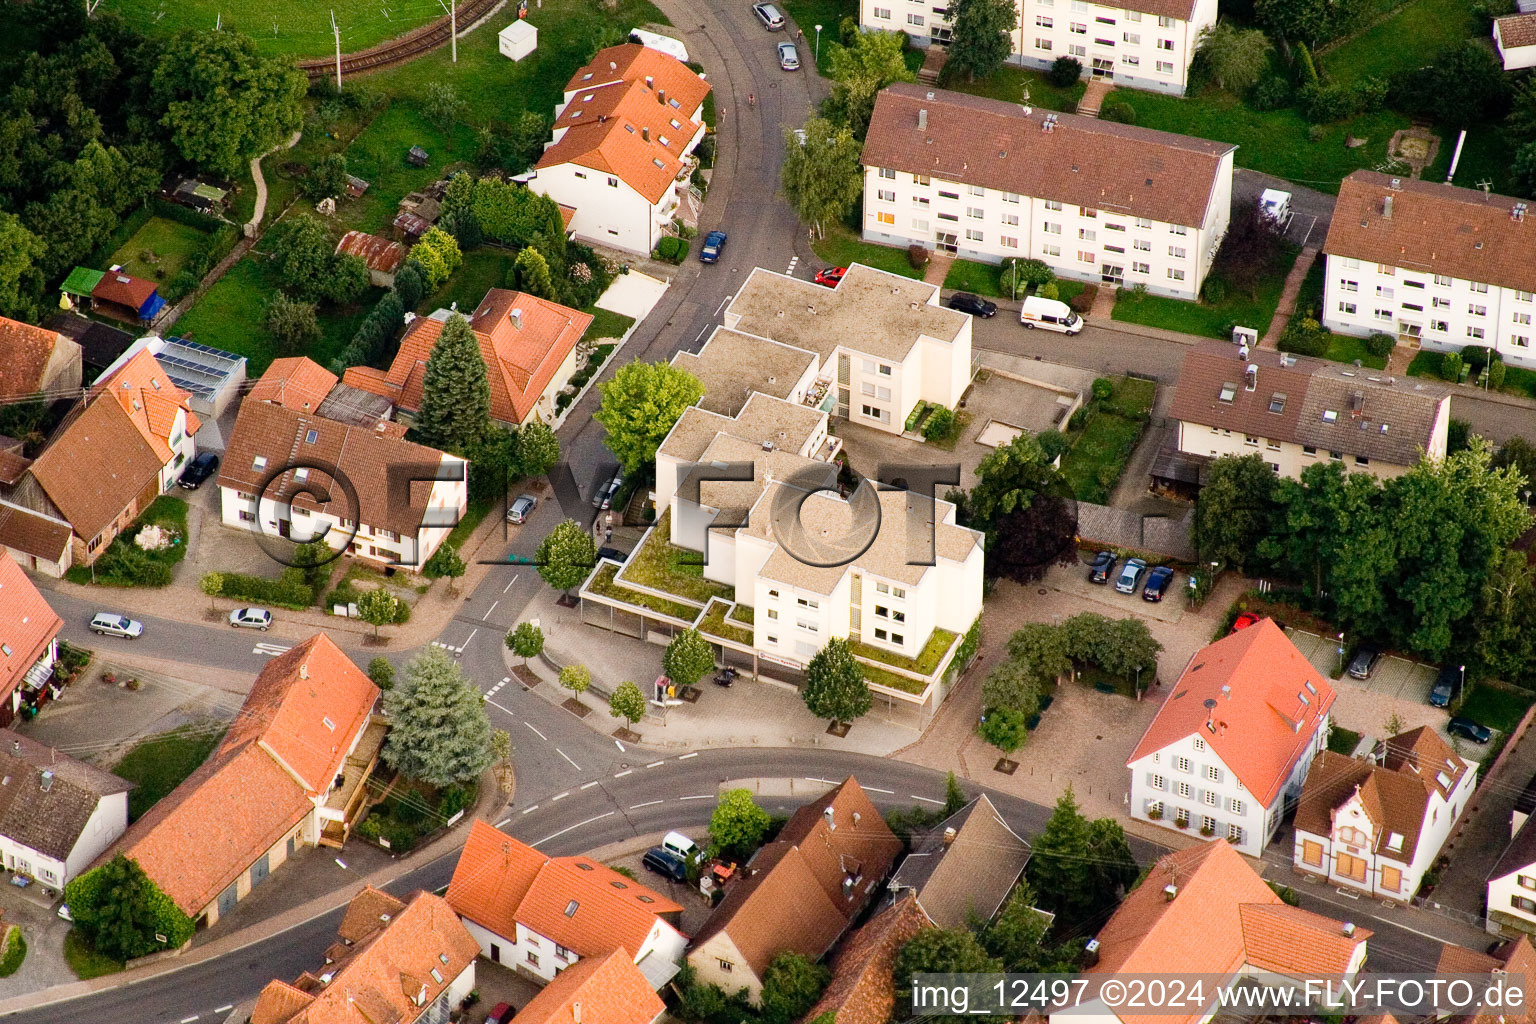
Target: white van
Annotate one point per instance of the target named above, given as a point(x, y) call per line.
point(680, 845)
point(1051, 314)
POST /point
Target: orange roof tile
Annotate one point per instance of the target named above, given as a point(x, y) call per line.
point(149, 398)
point(607, 989)
point(27, 625)
point(97, 464)
point(589, 908)
point(1254, 699)
point(862, 990)
point(276, 759)
point(24, 354)
point(1296, 942)
point(294, 382)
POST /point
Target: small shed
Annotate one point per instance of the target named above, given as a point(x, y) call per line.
point(1515, 38)
point(518, 40)
point(417, 157)
point(410, 227)
point(381, 255)
point(356, 186)
point(126, 298)
point(81, 282)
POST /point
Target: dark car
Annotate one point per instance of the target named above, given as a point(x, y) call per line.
point(1158, 581)
point(501, 1014)
point(1447, 687)
point(1468, 729)
point(1102, 567)
point(1364, 662)
point(713, 243)
point(975, 305)
point(829, 276)
point(199, 470)
point(664, 862)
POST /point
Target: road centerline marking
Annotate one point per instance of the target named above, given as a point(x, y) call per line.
point(563, 754)
point(536, 731)
point(648, 803)
point(627, 771)
point(687, 756)
point(579, 824)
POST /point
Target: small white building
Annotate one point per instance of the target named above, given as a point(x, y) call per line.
point(1095, 200)
point(1377, 823)
point(56, 814)
point(1140, 44)
point(1512, 881)
point(517, 40)
point(1515, 39)
point(1230, 747)
point(1437, 266)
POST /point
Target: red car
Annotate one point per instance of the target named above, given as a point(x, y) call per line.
point(830, 276)
point(501, 1014)
point(1244, 620)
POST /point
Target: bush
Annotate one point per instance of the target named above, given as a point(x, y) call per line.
point(1380, 345)
point(287, 591)
point(15, 952)
point(1064, 71)
point(1304, 336)
point(1271, 93)
point(1083, 301)
point(1053, 443)
point(1079, 419)
point(1103, 387)
point(1049, 290)
point(1325, 104)
point(1123, 113)
point(1496, 375)
point(1214, 290)
point(1450, 367)
point(671, 249)
point(1307, 70)
point(917, 256)
point(938, 424)
point(1476, 356)
point(382, 673)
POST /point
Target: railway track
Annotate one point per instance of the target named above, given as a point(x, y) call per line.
point(398, 51)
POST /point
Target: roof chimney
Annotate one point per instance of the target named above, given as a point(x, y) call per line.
point(949, 837)
point(1251, 377)
point(47, 781)
point(516, 316)
point(304, 670)
point(1349, 929)
point(1518, 213)
point(1170, 891)
point(645, 133)
point(661, 96)
point(922, 119)
point(826, 812)
point(1386, 207)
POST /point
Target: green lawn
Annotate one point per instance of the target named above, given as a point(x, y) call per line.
point(229, 315)
point(1486, 156)
point(715, 624)
point(1517, 381)
point(1008, 85)
point(1100, 450)
point(282, 26)
point(1277, 141)
point(1405, 40)
point(927, 660)
point(842, 247)
point(604, 583)
point(474, 514)
point(483, 269)
point(85, 961)
point(158, 764)
point(110, 571)
point(1496, 707)
point(1204, 318)
point(1344, 349)
point(1342, 740)
point(167, 243)
point(377, 155)
point(807, 14)
point(607, 324)
point(981, 278)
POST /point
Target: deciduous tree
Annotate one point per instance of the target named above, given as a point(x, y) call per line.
point(526, 641)
point(688, 657)
point(381, 672)
point(737, 826)
point(211, 584)
point(1012, 686)
point(328, 178)
point(378, 607)
point(941, 951)
point(1234, 57)
point(834, 684)
point(1464, 84)
point(537, 448)
point(576, 678)
point(20, 281)
point(439, 733)
point(533, 274)
point(455, 392)
point(791, 986)
point(566, 555)
point(1233, 512)
point(437, 253)
point(980, 45)
point(627, 702)
point(821, 178)
point(292, 322)
point(875, 60)
point(640, 405)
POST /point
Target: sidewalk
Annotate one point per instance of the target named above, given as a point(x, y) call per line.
point(1288, 293)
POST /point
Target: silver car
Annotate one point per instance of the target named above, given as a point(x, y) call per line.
point(769, 15)
point(603, 497)
point(113, 624)
point(789, 57)
point(521, 508)
point(250, 618)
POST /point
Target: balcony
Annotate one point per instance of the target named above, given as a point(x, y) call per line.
point(820, 395)
point(350, 795)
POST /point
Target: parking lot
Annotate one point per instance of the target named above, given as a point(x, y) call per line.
point(1074, 580)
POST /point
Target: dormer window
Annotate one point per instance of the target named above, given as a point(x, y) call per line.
point(1277, 402)
point(259, 462)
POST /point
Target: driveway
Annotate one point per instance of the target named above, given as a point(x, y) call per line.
point(1074, 580)
point(1311, 210)
point(44, 932)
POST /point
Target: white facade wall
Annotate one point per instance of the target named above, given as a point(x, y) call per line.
point(608, 211)
point(1079, 243)
point(183, 450)
point(107, 822)
point(549, 958)
point(1209, 792)
point(1445, 313)
point(1288, 459)
point(1513, 894)
point(1513, 57)
point(1135, 50)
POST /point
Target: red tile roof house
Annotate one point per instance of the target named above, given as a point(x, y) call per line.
point(1377, 823)
point(396, 963)
point(36, 360)
point(1204, 911)
point(529, 347)
point(799, 893)
point(119, 451)
point(622, 149)
point(606, 989)
point(56, 814)
point(270, 787)
point(539, 915)
point(291, 472)
point(862, 989)
point(29, 640)
point(1231, 745)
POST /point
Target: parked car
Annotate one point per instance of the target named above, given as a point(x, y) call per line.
point(664, 862)
point(975, 305)
point(713, 243)
point(1051, 314)
point(769, 15)
point(829, 276)
point(1468, 729)
point(522, 507)
point(603, 498)
point(113, 624)
point(1158, 581)
point(64, 913)
point(1447, 687)
point(789, 57)
point(1244, 620)
point(1102, 567)
point(1130, 576)
point(501, 1013)
point(199, 470)
point(251, 618)
point(1364, 662)
point(681, 845)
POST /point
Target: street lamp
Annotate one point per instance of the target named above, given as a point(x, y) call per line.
point(818, 44)
point(1341, 652)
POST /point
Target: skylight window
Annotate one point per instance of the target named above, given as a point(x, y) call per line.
point(570, 908)
point(1228, 392)
point(1277, 402)
point(311, 436)
point(1330, 415)
point(1310, 688)
point(657, 162)
point(437, 975)
point(1443, 779)
point(588, 97)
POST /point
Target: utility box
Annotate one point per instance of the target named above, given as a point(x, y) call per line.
point(518, 40)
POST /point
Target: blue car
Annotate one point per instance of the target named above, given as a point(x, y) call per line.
point(713, 243)
point(1158, 581)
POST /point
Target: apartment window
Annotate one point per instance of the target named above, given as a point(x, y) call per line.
point(921, 202)
point(1520, 340)
point(1087, 234)
point(1051, 204)
point(870, 412)
point(881, 634)
point(953, 218)
point(1213, 773)
point(1362, 460)
point(1383, 314)
point(1347, 307)
point(1526, 882)
point(725, 965)
point(1102, 20)
point(772, 639)
point(1477, 310)
point(1165, 67)
point(920, 179)
point(882, 588)
point(1043, 21)
point(1336, 456)
point(1101, 41)
point(1475, 332)
point(883, 13)
point(977, 190)
point(809, 627)
point(1076, 50)
point(580, 175)
point(1114, 248)
point(972, 235)
point(1383, 292)
point(1142, 245)
point(1350, 264)
point(1132, 15)
point(1177, 229)
point(888, 172)
point(1235, 833)
point(533, 958)
point(1085, 257)
point(868, 389)
point(919, 225)
point(885, 369)
point(1183, 764)
point(1178, 252)
point(1438, 303)
point(1134, 38)
point(1087, 211)
point(885, 218)
point(247, 517)
point(1011, 197)
point(898, 639)
point(1042, 44)
point(1141, 268)
point(613, 182)
point(1481, 289)
point(1165, 44)
point(1212, 798)
point(1050, 250)
point(773, 613)
point(1440, 325)
point(898, 592)
point(1523, 296)
point(1077, 28)
point(886, 196)
point(1163, 21)
point(1176, 275)
point(1442, 281)
point(1250, 440)
point(1154, 808)
point(915, 19)
point(1350, 286)
point(1407, 283)
point(1199, 745)
point(1008, 242)
point(1522, 318)
point(1521, 903)
point(1182, 789)
point(1011, 219)
point(807, 603)
point(946, 194)
point(1236, 806)
point(1052, 229)
point(975, 212)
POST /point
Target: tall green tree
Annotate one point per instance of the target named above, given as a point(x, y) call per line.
point(532, 273)
point(1007, 480)
point(1462, 85)
point(791, 986)
point(737, 826)
point(1520, 123)
point(821, 178)
point(566, 555)
point(875, 60)
point(437, 253)
point(537, 448)
point(439, 733)
point(688, 658)
point(1233, 512)
point(834, 684)
point(1043, 647)
point(980, 43)
point(1234, 57)
point(627, 702)
point(640, 405)
point(1013, 685)
point(292, 322)
point(225, 103)
point(455, 392)
point(121, 910)
point(1078, 867)
point(1504, 630)
point(1310, 21)
point(20, 281)
point(1018, 936)
point(941, 951)
point(526, 641)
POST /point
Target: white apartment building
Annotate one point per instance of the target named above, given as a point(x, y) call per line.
point(1145, 44)
point(1438, 266)
point(1233, 741)
point(1296, 411)
point(1097, 201)
point(620, 156)
point(1377, 823)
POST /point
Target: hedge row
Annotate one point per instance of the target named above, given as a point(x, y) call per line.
point(287, 591)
